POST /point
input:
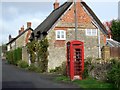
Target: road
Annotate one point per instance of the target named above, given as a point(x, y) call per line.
point(14, 77)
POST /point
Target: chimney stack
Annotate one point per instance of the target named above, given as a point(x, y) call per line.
point(19, 31)
point(28, 24)
point(10, 37)
point(78, 0)
point(56, 4)
point(22, 29)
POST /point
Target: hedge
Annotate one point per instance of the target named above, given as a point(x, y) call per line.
point(14, 56)
point(114, 73)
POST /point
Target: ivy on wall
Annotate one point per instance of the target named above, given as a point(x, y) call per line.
point(38, 51)
point(31, 51)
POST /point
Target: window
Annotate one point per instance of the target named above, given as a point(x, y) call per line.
point(91, 32)
point(60, 35)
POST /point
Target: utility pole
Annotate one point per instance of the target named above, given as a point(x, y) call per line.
point(76, 24)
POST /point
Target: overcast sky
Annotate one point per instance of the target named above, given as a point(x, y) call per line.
point(16, 14)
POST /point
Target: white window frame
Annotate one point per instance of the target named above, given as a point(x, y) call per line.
point(90, 33)
point(60, 36)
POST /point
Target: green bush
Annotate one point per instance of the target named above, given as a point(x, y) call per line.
point(38, 70)
point(41, 56)
point(114, 73)
point(32, 67)
point(23, 64)
point(14, 56)
point(9, 57)
point(60, 70)
point(85, 73)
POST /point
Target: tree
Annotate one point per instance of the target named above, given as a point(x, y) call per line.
point(115, 30)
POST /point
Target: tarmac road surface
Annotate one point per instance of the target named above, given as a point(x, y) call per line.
point(14, 77)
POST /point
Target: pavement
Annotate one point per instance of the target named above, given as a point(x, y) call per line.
point(14, 77)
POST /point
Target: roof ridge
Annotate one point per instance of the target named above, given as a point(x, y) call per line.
point(19, 35)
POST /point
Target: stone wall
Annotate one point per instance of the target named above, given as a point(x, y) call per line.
point(25, 55)
point(90, 42)
point(21, 40)
point(57, 52)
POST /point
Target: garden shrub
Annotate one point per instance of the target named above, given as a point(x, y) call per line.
point(60, 70)
point(87, 64)
point(85, 73)
point(114, 73)
point(9, 57)
point(32, 67)
point(23, 64)
point(43, 55)
point(38, 51)
point(14, 56)
point(31, 50)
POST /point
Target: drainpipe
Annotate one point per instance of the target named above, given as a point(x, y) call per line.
point(98, 36)
point(99, 51)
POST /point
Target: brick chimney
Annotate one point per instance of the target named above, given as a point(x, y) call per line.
point(78, 0)
point(56, 4)
point(28, 24)
point(22, 29)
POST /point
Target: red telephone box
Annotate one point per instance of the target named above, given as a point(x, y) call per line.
point(75, 59)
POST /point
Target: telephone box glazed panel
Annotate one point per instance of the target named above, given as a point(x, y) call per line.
point(75, 59)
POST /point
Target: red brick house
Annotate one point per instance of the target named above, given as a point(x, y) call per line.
point(59, 28)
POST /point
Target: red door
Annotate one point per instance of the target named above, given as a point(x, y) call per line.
point(77, 66)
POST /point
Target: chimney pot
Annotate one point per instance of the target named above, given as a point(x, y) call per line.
point(56, 4)
point(22, 29)
point(28, 24)
point(10, 37)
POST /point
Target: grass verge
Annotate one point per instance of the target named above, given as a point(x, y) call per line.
point(87, 83)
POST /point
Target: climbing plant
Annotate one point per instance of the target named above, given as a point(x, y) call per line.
point(31, 51)
point(38, 51)
point(43, 54)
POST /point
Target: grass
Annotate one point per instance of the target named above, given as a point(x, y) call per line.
point(92, 83)
point(87, 83)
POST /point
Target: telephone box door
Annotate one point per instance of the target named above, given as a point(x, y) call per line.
point(75, 59)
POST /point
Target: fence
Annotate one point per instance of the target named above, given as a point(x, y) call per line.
point(114, 51)
point(110, 52)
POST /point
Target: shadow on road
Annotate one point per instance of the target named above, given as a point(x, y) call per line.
point(15, 84)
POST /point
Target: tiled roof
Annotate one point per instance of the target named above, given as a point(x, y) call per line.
point(49, 22)
point(13, 39)
point(103, 29)
point(112, 43)
point(52, 18)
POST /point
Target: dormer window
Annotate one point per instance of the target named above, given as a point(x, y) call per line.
point(60, 35)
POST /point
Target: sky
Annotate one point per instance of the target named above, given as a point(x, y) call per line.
point(16, 14)
point(119, 10)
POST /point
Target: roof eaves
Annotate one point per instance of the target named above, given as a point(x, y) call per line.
point(19, 35)
point(103, 29)
point(49, 18)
